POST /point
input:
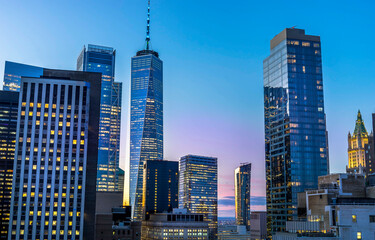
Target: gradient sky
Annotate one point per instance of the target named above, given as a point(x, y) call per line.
point(213, 54)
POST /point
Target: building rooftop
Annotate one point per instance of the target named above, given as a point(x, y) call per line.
point(292, 33)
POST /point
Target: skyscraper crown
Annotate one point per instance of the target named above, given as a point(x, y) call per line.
point(360, 129)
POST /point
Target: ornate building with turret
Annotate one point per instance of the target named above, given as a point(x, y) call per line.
point(360, 148)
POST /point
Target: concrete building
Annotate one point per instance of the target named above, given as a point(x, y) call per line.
point(177, 225)
point(233, 232)
point(105, 202)
point(56, 156)
point(340, 208)
point(258, 225)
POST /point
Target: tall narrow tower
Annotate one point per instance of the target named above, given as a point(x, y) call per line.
point(295, 127)
point(146, 119)
point(242, 187)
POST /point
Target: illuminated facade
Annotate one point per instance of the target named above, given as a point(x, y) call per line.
point(8, 128)
point(56, 156)
point(102, 59)
point(295, 128)
point(357, 144)
point(198, 188)
point(177, 225)
point(160, 187)
point(146, 121)
point(13, 73)
point(242, 187)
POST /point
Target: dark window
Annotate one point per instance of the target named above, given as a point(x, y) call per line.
point(372, 218)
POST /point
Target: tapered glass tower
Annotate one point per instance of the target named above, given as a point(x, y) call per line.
point(146, 118)
point(295, 127)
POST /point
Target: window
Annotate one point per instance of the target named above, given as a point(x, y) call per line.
point(359, 235)
point(372, 218)
point(354, 218)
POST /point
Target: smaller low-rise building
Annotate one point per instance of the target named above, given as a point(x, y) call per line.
point(233, 232)
point(122, 226)
point(258, 225)
point(176, 225)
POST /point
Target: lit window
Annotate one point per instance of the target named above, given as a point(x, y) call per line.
point(359, 235)
point(354, 218)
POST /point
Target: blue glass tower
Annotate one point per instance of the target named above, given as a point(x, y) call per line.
point(13, 73)
point(295, 127)
point(146, 119)
point(102, 59)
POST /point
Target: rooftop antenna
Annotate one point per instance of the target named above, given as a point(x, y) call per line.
point(148, 27)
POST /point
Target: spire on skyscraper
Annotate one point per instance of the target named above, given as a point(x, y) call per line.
point(147, 50)
point(360, 129)
point(148, 27)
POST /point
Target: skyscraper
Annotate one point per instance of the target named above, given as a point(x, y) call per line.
point(198, 188)
point(102, 59)
point(8, 128)
point(242, 187)
point(146, 119)
point(56, 157)
point(13, 73)
point(361, 148)
point(160, 187)
point(295, 127)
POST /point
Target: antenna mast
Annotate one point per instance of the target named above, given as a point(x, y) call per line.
point(148, 27)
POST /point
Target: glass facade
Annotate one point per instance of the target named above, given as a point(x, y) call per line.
point(13, 73)
point(55, 158)
point(295, 128)
point(242, 187)
point(8, 128)
point(160, 187)
point(146, 122)
point(198, 188)
point(102, 59)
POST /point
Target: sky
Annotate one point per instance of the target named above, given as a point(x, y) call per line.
point(213, 55)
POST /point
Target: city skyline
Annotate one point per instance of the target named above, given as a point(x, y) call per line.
point(197, 113)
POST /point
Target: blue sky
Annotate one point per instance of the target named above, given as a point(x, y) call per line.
point(213, 53)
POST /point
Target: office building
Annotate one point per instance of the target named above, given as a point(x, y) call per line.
point(198, 188)
point(295, 127)
point(176, 225)
point(160, 187)
point(356, 144)
point(13, 73)
point(102, 59)
point(146, 120)
point(8, 128)
point(56, 157)
point(242, 186)
point(258, 222)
